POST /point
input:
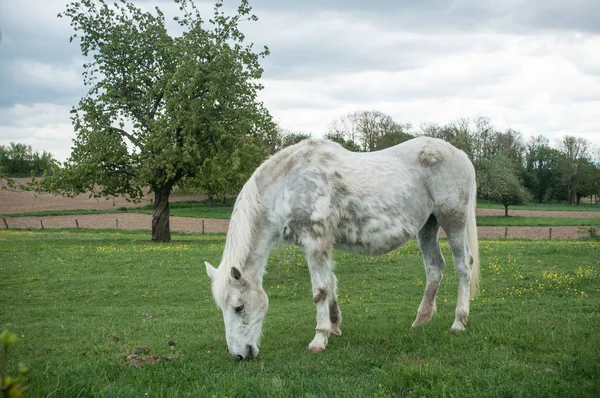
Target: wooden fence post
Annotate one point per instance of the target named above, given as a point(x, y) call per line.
point(550, 232)
point(77, 223)
point(5, 223)
point(42, 223)
point(203, 226)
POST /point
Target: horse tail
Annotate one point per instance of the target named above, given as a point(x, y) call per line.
point(472, 241)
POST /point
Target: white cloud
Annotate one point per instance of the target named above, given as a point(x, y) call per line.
point(46, 127)
point(515, 62)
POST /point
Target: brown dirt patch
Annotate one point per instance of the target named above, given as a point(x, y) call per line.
point(142, 356)
point(27, 201)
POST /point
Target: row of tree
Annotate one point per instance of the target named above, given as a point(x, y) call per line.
point(509, 170)
point(21, 159)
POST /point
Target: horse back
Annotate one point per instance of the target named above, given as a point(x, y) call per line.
point(366, 202)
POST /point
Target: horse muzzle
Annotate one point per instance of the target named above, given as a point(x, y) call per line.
point(250, 352)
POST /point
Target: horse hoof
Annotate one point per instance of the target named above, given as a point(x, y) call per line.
point(417, 324)
point(336, 330)
point(315, 348)
point(457, 327)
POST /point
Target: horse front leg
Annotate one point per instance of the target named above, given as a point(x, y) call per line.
point(324, 287)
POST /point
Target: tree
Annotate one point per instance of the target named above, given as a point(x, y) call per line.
point(288, 138)
point(483, 135)
point(340, 139)
point(391, 138)
point(575, 153)
point(17, 158)
point(368, 129)
point(542, 164)
point(498, 181)
point(587, 179)
point(456, 133)
point(160, 108)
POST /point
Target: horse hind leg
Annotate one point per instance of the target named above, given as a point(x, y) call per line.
point(324, 287)
point(461, 252)
point(434, 268)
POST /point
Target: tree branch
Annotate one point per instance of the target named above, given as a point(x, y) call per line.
point(131, 138)
point(155, 106)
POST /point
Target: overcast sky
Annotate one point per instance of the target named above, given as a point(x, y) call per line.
point(530, 65)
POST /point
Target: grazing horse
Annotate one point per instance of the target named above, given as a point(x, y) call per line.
point(319, 195)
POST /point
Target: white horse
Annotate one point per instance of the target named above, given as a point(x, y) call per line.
point(318, 195)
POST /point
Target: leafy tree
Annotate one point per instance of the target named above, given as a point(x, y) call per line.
point(510, 144)
point(498, 181)
point(543, 165)
point(17, 158)
point(587, 179)
point(392, 138)
point(288, 138)
point(160, 108)
point(340, 139)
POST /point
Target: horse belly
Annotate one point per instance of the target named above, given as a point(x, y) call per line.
point(373, 242)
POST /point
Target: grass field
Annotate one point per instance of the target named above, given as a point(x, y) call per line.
point(83, 302)
point(583, 206)
point(518, 221)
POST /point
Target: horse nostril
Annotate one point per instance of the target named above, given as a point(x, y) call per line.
point(238, 357)
point(249, 347)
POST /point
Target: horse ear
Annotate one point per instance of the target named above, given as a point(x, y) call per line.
point(210, 270)
point(236, 276)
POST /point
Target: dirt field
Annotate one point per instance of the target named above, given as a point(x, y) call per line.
point(19, 202)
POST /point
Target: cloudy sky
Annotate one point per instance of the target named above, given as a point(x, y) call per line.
point(530, 65)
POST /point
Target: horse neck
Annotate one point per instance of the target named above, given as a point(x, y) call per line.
point(243, 246)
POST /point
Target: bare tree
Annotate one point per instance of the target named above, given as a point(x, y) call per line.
point(367, 129)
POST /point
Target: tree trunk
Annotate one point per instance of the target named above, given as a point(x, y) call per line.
point(505, 210)
point(161, 229)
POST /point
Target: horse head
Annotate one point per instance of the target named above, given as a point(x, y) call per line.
point(244, 304)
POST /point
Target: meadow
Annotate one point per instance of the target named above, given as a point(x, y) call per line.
point(95, 312)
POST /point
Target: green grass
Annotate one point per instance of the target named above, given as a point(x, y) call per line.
point(81, 301)
point(518, 221)
point(541, 207)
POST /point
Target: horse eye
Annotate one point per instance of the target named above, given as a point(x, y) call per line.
point(239, 309)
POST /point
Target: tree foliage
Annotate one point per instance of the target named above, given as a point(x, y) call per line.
point(542, 168)
point(573, 164)
point(17, 158)
point(498, 181)
point(343, 141)
point(162, 109)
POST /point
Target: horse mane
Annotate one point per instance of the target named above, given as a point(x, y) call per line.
point(247, 217)
point(243, 224)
